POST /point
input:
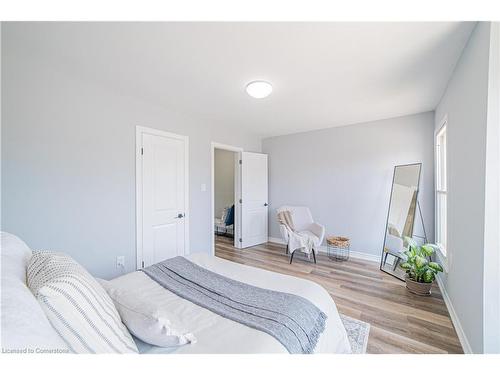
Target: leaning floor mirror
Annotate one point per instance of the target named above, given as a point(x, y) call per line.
point(400, 217)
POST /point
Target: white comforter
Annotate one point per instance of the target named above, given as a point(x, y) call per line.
point(216, 334)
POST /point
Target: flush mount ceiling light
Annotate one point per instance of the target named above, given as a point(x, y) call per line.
point(259, 89)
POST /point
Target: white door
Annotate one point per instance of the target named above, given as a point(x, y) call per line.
point(254, 205)
point(163, 197)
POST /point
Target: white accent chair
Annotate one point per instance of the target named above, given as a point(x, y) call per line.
point(304, 225)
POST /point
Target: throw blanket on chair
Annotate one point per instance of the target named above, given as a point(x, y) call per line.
point(296, 240)
point(292, 320)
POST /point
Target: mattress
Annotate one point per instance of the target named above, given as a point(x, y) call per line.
point(218, 335)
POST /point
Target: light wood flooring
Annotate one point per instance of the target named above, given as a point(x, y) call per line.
point(401, 322)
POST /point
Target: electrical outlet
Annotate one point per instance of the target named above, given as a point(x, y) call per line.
point(120, 262)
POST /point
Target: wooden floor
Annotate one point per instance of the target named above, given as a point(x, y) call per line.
point(401, 322)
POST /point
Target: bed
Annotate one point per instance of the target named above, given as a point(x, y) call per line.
point(214, 333)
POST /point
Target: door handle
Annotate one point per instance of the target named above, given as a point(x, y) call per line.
point(180, 216)
point(265, 205)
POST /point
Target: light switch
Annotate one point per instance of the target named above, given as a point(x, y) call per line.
point(203, 187)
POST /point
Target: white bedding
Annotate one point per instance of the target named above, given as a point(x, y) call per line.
point(216, 334)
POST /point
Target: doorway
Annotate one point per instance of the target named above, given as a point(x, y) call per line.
point(247, 197)
point(226, 191)
point(161, 195)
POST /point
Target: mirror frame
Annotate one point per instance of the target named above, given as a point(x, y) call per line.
point(389, 210)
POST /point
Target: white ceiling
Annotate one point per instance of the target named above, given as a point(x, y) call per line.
point(324, 74)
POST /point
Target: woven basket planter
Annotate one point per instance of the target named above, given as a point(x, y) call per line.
point(421, 289)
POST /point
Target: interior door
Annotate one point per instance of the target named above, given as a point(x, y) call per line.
point(254, 205)
point(163, 198)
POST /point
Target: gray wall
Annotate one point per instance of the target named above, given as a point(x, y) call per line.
point(68, 160)
point(465, 103)
point(223, 180)
point(344, 175)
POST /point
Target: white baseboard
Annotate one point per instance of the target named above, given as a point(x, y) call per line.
point(322, 249)
point(454, 318)
point(276, 240)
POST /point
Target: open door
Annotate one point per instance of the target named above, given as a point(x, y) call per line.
point(254, 204)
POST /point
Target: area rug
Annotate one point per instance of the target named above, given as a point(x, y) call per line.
point(357, 332)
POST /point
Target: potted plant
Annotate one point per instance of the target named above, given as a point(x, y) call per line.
point(420, 271)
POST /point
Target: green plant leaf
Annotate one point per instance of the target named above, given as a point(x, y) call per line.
point(429, 276)
point(436, 266)
point(427, 249)
point(420, 273)
point(406, 266)
point(420, 261)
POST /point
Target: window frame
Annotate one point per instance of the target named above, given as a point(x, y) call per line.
point(443, 256)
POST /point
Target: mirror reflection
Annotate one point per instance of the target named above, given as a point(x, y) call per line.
point(400, 218)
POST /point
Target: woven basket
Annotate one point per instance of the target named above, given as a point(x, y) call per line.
point(339, 242)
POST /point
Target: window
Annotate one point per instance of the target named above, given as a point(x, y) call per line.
point(441, 188)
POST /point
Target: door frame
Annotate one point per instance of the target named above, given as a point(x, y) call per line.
point(237, 192)
point(139, 131)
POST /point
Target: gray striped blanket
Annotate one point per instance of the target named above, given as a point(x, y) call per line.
point(292, 320)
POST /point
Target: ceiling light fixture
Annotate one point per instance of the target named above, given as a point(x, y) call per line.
point(259, 89)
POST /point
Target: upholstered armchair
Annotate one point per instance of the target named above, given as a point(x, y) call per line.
point(304, 225)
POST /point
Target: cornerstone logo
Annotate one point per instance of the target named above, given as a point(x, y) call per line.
point(34, 351)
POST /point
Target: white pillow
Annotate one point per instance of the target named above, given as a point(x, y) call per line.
point(145, 320)
point(15, 257)
point(25, 328)
point(77, 306)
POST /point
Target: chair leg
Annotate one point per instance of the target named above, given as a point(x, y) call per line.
point(396, 263)
point(291, 258)
point(314, 256)
point(286, 249)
